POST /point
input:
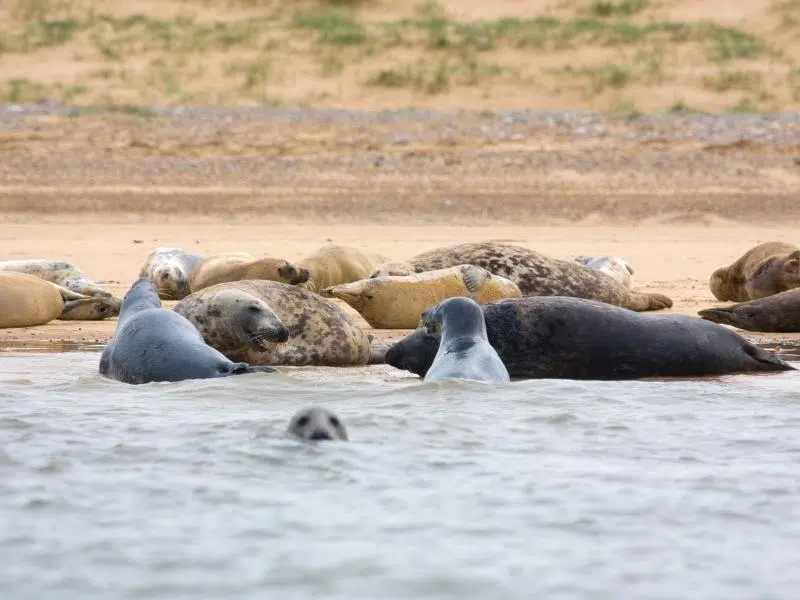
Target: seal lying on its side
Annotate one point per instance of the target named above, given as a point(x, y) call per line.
point(320, 332)
point(572, 338)
point(767, 269)
point(397, 302)
point(613, 266)
point(464, 352)
point(779, 313)
point(60, 272)
point(539, 275)
point(169, 269)
point(152, 343)
point(334, 264)
point(316, 423)
point(236, 266)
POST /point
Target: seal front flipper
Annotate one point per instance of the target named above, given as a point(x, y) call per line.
point(474, 277)
point(641, 302)
point(244, 368)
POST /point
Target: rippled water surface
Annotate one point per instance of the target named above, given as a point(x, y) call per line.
point(536, 489)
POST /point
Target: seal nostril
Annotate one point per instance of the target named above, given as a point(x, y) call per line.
point(320, 434)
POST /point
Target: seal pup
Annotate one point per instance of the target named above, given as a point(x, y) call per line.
point(62, 273)
point(334, 264)
point(396, 302)
point(316, 423)
point(235, 266)
point(557, 337)
point(766, 269)
point(152, 343)
point(613, 266)
point(170, 269)
point(539, 275)
point(779, 313)
point(320, 332)
point(464, 351)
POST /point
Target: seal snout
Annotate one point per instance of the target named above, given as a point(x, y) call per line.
point(294, 275)
point(320, 434)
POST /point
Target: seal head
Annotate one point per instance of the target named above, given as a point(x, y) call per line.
point(315, 423)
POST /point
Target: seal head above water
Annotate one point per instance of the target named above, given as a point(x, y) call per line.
point(316, 423)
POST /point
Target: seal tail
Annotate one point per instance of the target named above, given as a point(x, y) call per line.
point(767, 361)
point(244, 368)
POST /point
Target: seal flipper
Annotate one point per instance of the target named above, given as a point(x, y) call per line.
point(641, 302)
point(474, 277)
point(723, 316)
point(244, 368)
point(768, 360)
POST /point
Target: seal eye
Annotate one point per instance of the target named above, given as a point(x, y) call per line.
point(302, 421)
point(334, 421)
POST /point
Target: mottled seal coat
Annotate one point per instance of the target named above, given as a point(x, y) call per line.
point(573, 338)
point(769, 268)
point(169, 269)
point(539, 275)
point(152, 343)
point(236, 266)
point(316, 423)
point(779, 313)
point(613, 266)
point(61, 273)
point(320, 332)
point(464, 351)
point(334, 264)
point(398, 302)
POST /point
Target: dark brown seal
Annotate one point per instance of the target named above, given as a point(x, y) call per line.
point(767, 269)
point(779, 313)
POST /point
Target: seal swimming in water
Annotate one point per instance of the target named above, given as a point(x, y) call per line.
point(766, 269)
point(169, 269)
point(316, 423)
point(539, 275)
point(613, 266)
point(464, 351)
point(573, 338)
point(62, 273)
point(235, 266)
point(320, 332)
point(152, 343)
point(779, 313)
point(398, 302)
point(334, 264)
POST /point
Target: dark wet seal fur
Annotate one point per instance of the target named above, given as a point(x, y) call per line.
point(767, 269)
point(152, 343)
point(319, 332)
point(779, 313)
point(571, 338)
point(539, 275)
point(316, 423)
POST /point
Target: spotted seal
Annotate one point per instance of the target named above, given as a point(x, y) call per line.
point(539, 275)
point(766, 269)
point(320, 332)
point(316, 423)
point(397, 302)
point(60, 272)
point(334, 264)
point(152, 343)
point(170, 269)
point(236, 266)
point(613, 266)
point(573, 338)
point(464, 351)
point(779, 313)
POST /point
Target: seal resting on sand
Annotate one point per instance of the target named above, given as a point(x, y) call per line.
point(572, 338)
point(779, 313)
point(539, 275)
point(316, 423)
point(767, 269)
point(320, 332)
point(235, 266)
point(169, 269)
point(613, 266)
point(398, 302)
point(464, 351)
point(60, 272)
point(152, 343)
point(334, 264)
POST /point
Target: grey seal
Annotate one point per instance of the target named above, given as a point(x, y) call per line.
point(573, 338)
point(152, 343)
point(464, 351)
point(170, 270)
point(764, 270)
point(779, 313)
point(316, 423)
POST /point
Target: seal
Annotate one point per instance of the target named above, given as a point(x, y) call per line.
point(397, 302)
point(613, 266)
point(392, 269)
point(766, 269)
point(62, 273)
point(539, 275)
point(464, 351)
point(573, 338)
point(152, 343)
point(320, 332)
point(170, 269)
point(235, 266)
point(779, 313)
point(334, 264)
point(316, 423)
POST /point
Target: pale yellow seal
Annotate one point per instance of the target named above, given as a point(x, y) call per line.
point(334, 264)
point(239, 266)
